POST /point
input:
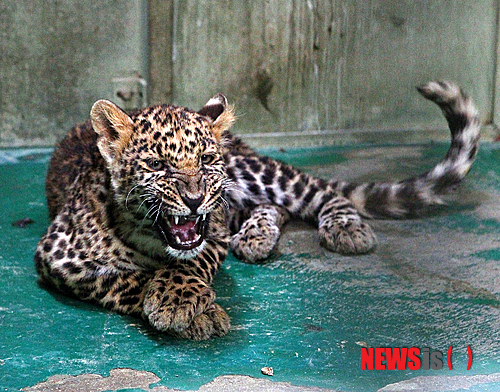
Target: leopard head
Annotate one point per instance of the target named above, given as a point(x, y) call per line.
point(166, 168)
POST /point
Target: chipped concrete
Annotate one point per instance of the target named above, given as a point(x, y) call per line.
point(118, 379)
point(129, 378)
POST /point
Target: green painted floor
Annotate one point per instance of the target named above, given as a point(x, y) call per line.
point(433, 282)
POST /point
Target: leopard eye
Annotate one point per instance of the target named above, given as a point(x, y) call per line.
point(156, 164)
point(207, 159)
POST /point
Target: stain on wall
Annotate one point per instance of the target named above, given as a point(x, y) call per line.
point(342, 64)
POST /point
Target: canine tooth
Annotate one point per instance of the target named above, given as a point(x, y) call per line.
point(204, 217)
point(176, 219)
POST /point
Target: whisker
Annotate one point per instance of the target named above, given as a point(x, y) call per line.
point(128, 195)
point(225, 204)
point(235, 188)
point(151, 211)
point(158, 213)
point(146, 198)
point(228, 183)
point(148, 216)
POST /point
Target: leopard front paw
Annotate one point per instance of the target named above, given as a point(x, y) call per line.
point(214, 322)
point(259, 234)
point(347, 237)
point(253, 244)
point(171, 304)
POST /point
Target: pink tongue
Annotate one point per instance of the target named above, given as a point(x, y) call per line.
point(185, 232)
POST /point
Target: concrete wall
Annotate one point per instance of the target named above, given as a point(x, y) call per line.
point(304, 65)
point(298, 68)
point(58, 57)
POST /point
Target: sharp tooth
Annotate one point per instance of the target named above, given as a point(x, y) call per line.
point(178, 240)
point(176, 219)
point(204, 216)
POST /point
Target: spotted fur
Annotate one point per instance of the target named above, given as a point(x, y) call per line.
point(336, 207)
point(142, 205)
point(138, 222)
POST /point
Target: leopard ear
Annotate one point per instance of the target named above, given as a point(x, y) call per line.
point(220, 113)
point(113, 127)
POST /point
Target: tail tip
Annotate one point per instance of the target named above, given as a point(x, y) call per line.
point(440, 91)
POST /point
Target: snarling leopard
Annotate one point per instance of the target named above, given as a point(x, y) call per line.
point(145, 206)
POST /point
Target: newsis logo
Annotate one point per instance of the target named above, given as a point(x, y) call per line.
point(401, 358)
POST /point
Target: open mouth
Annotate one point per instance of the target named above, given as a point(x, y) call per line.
point(184, 232)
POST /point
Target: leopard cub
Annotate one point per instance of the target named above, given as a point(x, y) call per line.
point(145, 206)
point(138, 219)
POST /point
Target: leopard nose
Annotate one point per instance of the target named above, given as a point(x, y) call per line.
point(193, 204)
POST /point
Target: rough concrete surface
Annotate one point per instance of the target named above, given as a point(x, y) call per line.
point(120, 379)
point(129, 378)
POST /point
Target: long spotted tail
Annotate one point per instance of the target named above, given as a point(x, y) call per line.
point(409, 197)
